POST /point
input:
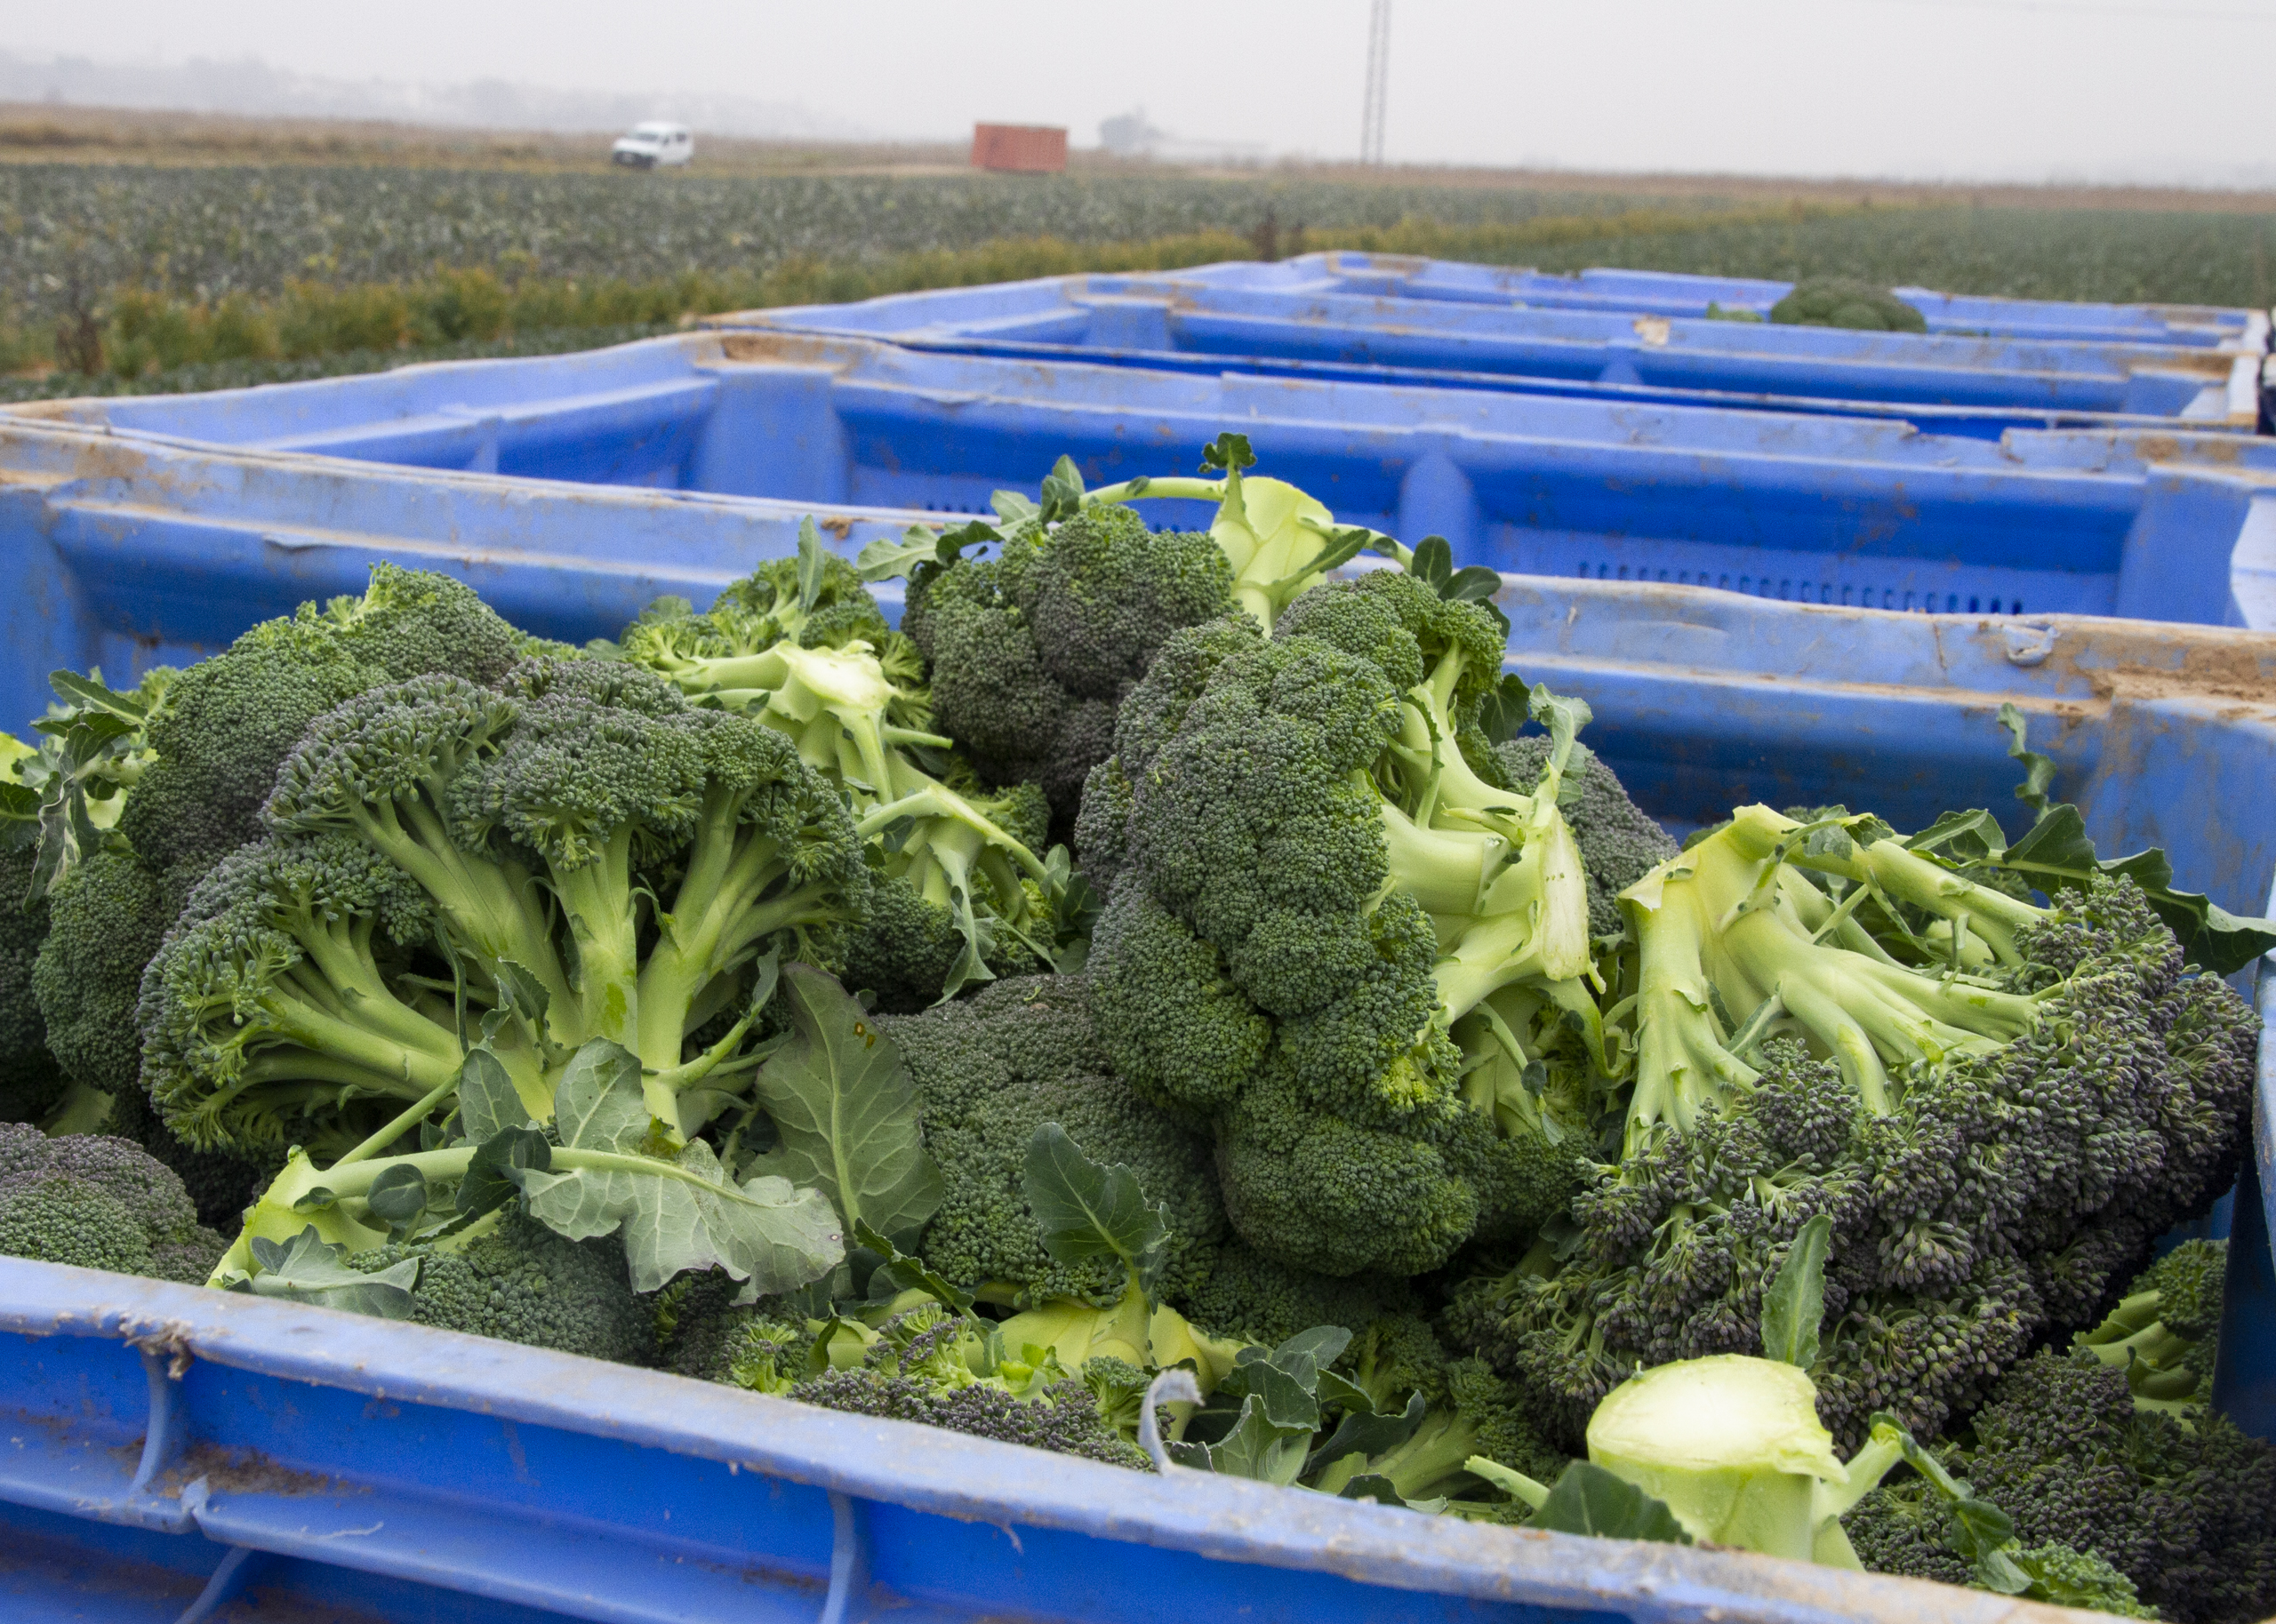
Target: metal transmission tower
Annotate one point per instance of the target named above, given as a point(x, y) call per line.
point(1371, 119)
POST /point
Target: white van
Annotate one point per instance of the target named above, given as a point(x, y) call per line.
point(652, 146)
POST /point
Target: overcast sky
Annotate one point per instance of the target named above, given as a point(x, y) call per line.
point(2025, 89)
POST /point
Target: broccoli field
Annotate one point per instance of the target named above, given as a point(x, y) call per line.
point(1174, 1000)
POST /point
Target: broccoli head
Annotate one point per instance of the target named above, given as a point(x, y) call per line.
point(989, 1072)
point(99, 1203)
point(1030, 651)
point(513, 1278)
point(1843, 301)
point(2163, 1332)
point(31, 1082)
point(216, 736)
point(575, 854)
point(2183, 1505)
point(1998, 1106)
point(1366, 965)
point(960, 895)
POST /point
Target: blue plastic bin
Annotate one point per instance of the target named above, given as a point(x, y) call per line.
point(1673, 293)
point(1824, 509)
point(1244, 315)
point(165, 1445)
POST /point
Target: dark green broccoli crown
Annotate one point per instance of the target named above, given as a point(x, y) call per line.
point(992, 1069)
point(522, 1283)
point(30, 1080)
point(226, 723)
point(2188, 1281)
point(2182, 1508)
point(406, 742)
point(1102, 593)
point(108, 919)
point(99, 1203)
point(1031, 650)
point(1394, 1355)
point(1844, 302)
point(1620, 842)
point(2003, 1193)
point(1258, 1298)
point(1153, 711)
point(1399, 623)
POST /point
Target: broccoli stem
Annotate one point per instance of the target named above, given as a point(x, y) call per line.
point(598, 901)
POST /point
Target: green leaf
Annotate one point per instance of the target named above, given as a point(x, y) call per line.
point(307, 1268)
point(1087, 1210)
point(1063, 491)
point(488, 1101)
point(1795, 1304)
point(1963, 838)
point(1228, 453)
point(1258, 1449)
point(900, 1272)
point(1471, 584)
point(494, 1173)
point(847, 1111)
point(814, 561)
point(1014, 508)
point(1374, 1486)
point(87, 692)
point(397, 1199)
point(521, 993)
point(675, 1216)
point(2058, 852)
point(1506, 709)
point(1368, 1434)
point(598, 1105)
point(1563, 717)
point(1434, 561)
point(2038, 770)
point(1287, 1398)
point(884, 560)
point(1588, 1499)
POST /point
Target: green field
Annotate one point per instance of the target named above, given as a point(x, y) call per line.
point(119, 276)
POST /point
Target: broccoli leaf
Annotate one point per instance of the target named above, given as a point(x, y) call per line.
point(2057, 852)
point(1362, 1434)
point(488, 1101)
point(1063, 491)
point(677, 1215)
point(1087, 1210)
point(1257, 1447)
point(1588, 1499)
point(846, 1110)
point(814, 562)
point(306, 1269)
point(1795, 1303)
point(884, 560)
point(2038, 770)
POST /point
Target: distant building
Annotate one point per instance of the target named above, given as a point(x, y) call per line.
point(1128, 135)
point(1034, 149)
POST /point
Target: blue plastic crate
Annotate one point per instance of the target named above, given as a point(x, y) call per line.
point(165, 1442)
point(1674, 293)
point(1269, 319)
point(1841, 510)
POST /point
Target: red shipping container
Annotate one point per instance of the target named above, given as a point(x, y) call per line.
point(1032, 149)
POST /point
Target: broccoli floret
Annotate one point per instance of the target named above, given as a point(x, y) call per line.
point(961, 896)
point(30, 1080)
point(1998, 1124)
point(99, 1203)
point(516, 1280)
point(218, 735)
point(1843, 301)
point(1364, 965)
point(1031, 652)
point(2184, 1505)
point(831, 608)
point(1250, 1297)
point(446, 859)
point(2162, 1333)
point(991, 1070)
point(1620, 844)
point(916, 1371)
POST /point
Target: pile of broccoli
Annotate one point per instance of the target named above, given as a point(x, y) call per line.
point(1844, 302)
point(1176, 1000)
